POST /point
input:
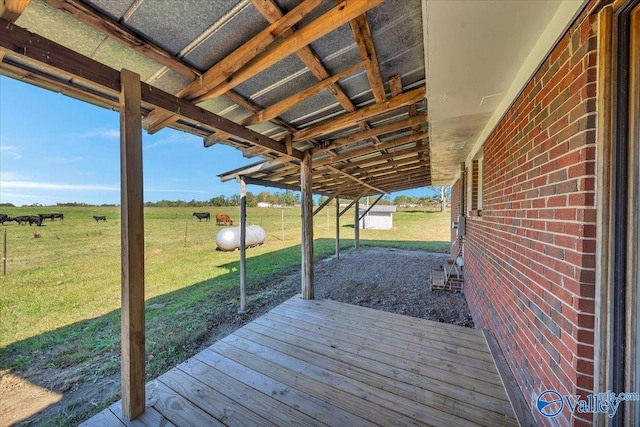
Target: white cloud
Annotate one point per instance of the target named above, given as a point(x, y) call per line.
point(11, 151)
point(56, 186)
point(106, 133)
point(63, 160)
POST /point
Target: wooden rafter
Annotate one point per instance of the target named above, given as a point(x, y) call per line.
point(10, 10)
point(236, 60)
point(335, 194)
point(372, 110)
point(290, 102)
point(377, 131)
point(367, 150)
point(354, 178)
point(362, 34)
point(107, 26)
point(271, 12)
point(320, 27)
point(15, 40)
point(384, 158)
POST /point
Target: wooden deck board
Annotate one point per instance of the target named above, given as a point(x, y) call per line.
point(319, 362)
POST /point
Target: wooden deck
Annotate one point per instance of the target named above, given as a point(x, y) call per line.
point(319, 362)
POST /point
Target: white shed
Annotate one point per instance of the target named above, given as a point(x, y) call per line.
point(378, 218)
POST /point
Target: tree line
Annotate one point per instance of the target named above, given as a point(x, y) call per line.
point(287, 198)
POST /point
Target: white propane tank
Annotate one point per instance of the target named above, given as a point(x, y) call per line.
point(228, 239)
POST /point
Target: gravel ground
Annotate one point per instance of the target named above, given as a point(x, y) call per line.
point(391, 280)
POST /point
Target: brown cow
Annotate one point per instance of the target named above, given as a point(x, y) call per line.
point(223, 219)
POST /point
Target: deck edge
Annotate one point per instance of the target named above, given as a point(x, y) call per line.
point(516, 398)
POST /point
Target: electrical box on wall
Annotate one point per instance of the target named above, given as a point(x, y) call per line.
point(461, 225)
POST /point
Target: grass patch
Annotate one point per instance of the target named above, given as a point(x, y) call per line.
point(60, 300)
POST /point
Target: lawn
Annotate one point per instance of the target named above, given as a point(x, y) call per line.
point(60, 298)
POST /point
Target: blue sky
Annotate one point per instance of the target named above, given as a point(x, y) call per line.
point(54, 148)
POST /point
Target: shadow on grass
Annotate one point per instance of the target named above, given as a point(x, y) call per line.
point(81, 361)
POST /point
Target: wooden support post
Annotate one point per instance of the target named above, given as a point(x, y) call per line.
point(356, 225)
point(243, 245)
point(307, 226)
point(337, 227)
point(132, 317)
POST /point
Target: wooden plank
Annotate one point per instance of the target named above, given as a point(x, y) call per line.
point(337, 227)
point(10, 10)
point(15, 40)
point(260, 380)
point(377, 131)
point(293, 100)
point(371, 207)
point(341, 14)
point(355, 179)
point(261, 403)
point(518, 403)
point(364, 113)
point(352, 396)
point(243, 245)
point(307, 226)
point(469, 372)
point(364, 40)
point(103, 418)
point(132, 214)
point(439, 398)
point(118, 32)
point(473, 355)
point(180, 411)
point(211, 401)
point(330, 198)
point(356, 225)
point(149, 418)
point(229, 65)
point(368, 150)
point(393, 318)
point(425, 365)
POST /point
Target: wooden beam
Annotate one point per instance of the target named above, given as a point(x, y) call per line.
point(337, 227)
point(353, 202)
point(353, 178)
point(232, 63)
point(320, 27)
point(384, 158)
point(367, 150)
point(271, 12)
point(362, 34)
point(377, 131)
point(371, 206)
point(356, 225)
point(118, 32)
point(132, 215)
point(330, 198)
point(273, 184)
point(293, 100)
point(15, 40)
point(10, 10)
point(243, 245)
point(307, 226)
point(395, 84)
point(349, 119)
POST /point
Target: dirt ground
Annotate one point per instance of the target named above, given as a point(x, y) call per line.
point(385, 279)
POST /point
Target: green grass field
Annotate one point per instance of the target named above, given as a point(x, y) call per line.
point(60, 298)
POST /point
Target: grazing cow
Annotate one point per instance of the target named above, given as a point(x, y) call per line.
point(35, 219)
point(223, 219)
point(46, 216)
point(3, 218)
point(202, 215)
point(99, 218)
point(22, 219)
point(58, 215)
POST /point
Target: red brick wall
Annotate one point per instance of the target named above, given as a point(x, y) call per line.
point(530, 257)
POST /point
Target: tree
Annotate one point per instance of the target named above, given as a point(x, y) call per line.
point(445, 197)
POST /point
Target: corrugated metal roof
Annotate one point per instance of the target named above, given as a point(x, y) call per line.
point(200, 34)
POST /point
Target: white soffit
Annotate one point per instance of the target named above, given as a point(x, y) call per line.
point(479, 56)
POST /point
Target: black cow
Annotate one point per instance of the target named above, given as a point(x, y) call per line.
point(47, 216)
point(22, 219)
point(100, 218)
point(4, 218)
point(202, 215)
point(35, 219)
point(58, 215)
